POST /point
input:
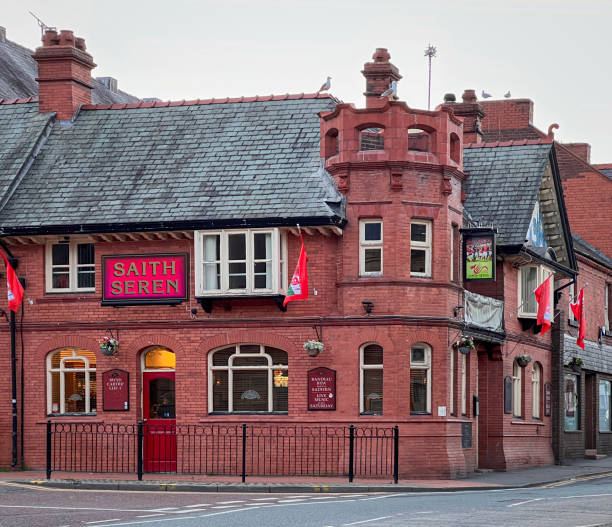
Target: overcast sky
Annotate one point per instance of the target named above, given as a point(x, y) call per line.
point(555, 52)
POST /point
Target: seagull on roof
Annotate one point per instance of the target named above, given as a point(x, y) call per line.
point(392, 91)
point(486, 95)
point(507, 95)
point(326, 85)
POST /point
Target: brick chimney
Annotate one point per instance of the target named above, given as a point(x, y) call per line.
point(471, 112)
point(582, 150)
point(64, 73)
point(379, 75)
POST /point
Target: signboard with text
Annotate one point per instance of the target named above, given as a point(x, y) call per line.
point(115, 390)
point(130, 279)
point(322, 389)
point(478, 254)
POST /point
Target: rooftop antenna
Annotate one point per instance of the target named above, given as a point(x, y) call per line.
point(43, 26)
point(430, 52)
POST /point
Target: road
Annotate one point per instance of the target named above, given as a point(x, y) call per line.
point(584, 502)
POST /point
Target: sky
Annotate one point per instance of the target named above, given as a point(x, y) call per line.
point(556, 53)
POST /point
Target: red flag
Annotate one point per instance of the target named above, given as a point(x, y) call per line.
point(542, 294)
point(14, 289)
point(578, 310)
point(298, 287)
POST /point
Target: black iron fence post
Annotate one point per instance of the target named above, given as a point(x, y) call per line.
point(395, 454)
point(244, 437)
point(351, 453)
point(48, 449)
point(140, 441)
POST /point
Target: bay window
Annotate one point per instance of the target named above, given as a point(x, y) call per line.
point(241, 262)
point(530, 277)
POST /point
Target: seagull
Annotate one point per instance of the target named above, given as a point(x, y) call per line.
point(507, 95)
point(486, 95)
point(391, 91)
point(326, 85)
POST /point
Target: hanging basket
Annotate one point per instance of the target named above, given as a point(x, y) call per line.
point(464, 349)
point(109, 346)
point(523, 360)
point(313, 347)
point(465, 344)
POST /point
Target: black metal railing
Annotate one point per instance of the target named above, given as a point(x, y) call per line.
point(228, 450)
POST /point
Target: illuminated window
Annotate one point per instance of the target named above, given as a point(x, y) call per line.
point(420, 378)
point(371, 373)
point(248, 378)
point(71, 382)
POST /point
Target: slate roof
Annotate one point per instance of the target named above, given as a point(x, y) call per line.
point(607, 172)
point(503, 184)
point(18, 71)
point(591, 252)
point(215, 163)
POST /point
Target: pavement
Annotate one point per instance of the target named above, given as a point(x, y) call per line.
point(553, 475)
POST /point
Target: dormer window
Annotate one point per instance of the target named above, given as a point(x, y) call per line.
point(530, 277)
point(372, 139)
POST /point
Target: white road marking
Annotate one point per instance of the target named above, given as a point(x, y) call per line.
point(523, 502)
point(103, 521)
point(424, 512)
point(190, 510)
point(224, 506)
point(264, 499)
point(228, 502)
point(584, 496)
point(368, 521)
point(292, 501)
point(324, 498)
point(181, 518)
point(353, 495)
point(149, 515)
point(71, 508)
point(165, 509)
point(196, 505)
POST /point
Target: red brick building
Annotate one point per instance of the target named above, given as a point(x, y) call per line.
point(172, 229)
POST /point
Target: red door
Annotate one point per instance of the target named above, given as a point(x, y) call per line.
point(160, 421)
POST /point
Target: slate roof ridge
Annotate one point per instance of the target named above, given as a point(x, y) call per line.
point(596, 254)
point(19, 101)
point(515, 142)
point(199, 102)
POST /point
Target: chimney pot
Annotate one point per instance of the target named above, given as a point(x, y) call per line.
point(378, 75)
point(449, 97)
point(2, 34)
point(469, 96)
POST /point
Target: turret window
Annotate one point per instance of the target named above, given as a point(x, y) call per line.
point(420, 248)
point(372, 139)
point(418, 140)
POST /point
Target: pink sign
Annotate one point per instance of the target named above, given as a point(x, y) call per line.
point(142, 279)
point(321, 389)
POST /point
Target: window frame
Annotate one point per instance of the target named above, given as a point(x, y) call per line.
point(62, 370)
point(536, 391)
point(278, 262)
point(73, 265)
point(425, 246)
point(571, 293)
point(452, 381)
point(517, 391)
point(369, 245)
point(607, 306)
point(424, 365)
point(362, 368)
point(607, 382)
point(463, 395)
point(576, 380)
point(542, 273)
point(270, 367)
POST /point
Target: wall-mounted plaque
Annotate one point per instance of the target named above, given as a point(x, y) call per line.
point(478, 254)
point(322, 389)
point(547, 399)
point(115, 390)
point(131, 279)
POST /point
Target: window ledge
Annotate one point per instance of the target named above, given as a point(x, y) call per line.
point(245, 413)
point(572, 431)
point(371, 413)
point(207, 301)
point(515, 421)
point(420, 413)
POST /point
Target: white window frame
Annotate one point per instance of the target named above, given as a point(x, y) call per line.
point(73, 265)
point(536, 390)
point(463, 384)
point(542, 274)
point(452, 380)
point(363, 367)
point(608, 383)
point(452, 253)
point(424, 246)
point(62, 370)
point(422, 365)
point(370, 244)
point(278, 259)
point(230, 377)
point(572, 289)
point(607, 300)
point(517, 390)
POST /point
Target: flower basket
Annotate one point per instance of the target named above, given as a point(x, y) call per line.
point(523, 360)
point(465, 344)
point(576, 364)
point(313, 347)
point(109, 346)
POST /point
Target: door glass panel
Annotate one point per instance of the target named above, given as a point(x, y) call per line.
point(161, 399)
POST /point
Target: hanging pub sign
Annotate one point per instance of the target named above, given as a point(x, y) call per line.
point(115, 390)
point(130, 279)
point(478, 254)
point(322, 389)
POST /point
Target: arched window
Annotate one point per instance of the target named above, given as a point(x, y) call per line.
point(331, 143)
point(248, 378)
point(71, 381)
point(372, 139)
point(420, 378)
point(517, 390)
point(463, 366)
point(536, 389)
point(418, 140)
point(371, 373)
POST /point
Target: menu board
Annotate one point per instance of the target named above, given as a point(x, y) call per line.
point(115, 390)
point(322, 389)
point(547, 399)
